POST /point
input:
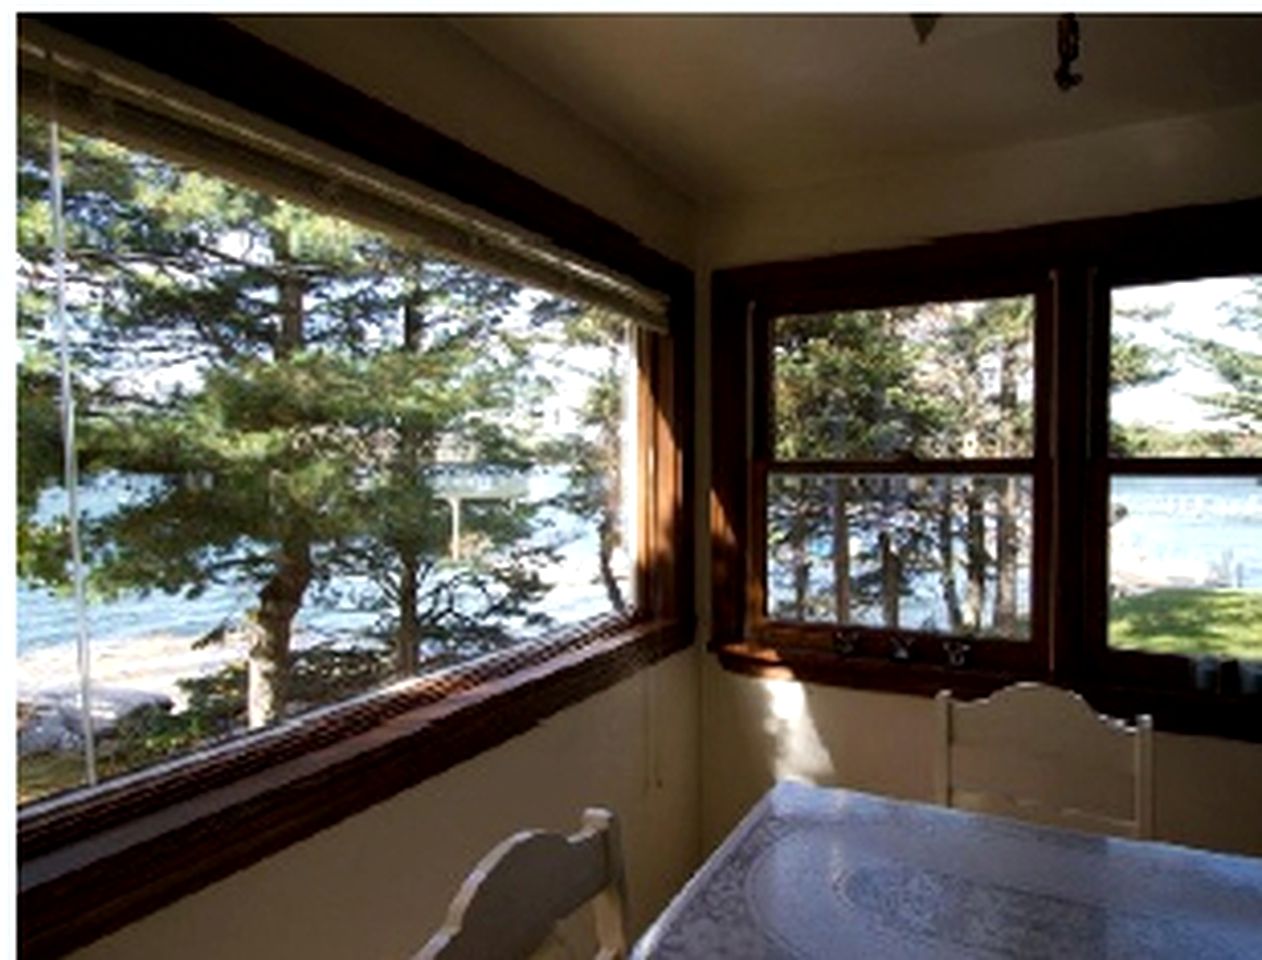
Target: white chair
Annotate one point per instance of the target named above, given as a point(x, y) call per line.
point(1041, 754)
point(508, 906)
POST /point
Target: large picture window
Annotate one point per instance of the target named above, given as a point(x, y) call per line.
point(313, 460)
point(328, 480)
point(1023, 455)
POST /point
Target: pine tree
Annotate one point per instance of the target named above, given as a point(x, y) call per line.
point(1240, 371)
point(283, 392)
point(595, 361)
point(1134, 363)
point(842, 390)
point(453, 395)
point(917, 382)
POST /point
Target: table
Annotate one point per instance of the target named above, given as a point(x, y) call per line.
point(813, 872)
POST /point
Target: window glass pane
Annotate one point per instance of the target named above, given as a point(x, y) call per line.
point(1185, 565)
point(1187, 369)
point(949, 553)
point(314, 460)
point(938, 380)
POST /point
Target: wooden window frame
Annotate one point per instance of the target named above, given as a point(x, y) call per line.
point(91, 862)
point(875, 644)
point(1163, 671)
point(1069, 266)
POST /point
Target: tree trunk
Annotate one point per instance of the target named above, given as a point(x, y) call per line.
point(946, 554)
point(976, 556)
point(841, 549)
point(608, 539)
point(1006, 560)
point(281, 596)
point(407, 632)
point(1006, 521)
point(801, 566)
point(279, 601)
point(290, 335)
point(891, 579)
point(611, 505)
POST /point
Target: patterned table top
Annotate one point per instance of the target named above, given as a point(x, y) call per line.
point(819, 873)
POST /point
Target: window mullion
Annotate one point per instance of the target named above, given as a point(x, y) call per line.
point(762, 446)
point(983, 466)
point(1076, 359)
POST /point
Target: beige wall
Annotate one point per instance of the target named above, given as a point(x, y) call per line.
point(756, 732)
point(1208, 792)
point(426, 68)
point(374, 886)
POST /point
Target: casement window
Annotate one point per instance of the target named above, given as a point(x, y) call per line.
point(1022, 455)
point(305, 448)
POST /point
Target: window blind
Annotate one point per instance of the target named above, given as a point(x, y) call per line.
point(84, 92)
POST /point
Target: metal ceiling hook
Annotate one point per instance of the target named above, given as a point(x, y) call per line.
point(1067, 44)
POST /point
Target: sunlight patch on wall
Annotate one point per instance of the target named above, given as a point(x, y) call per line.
point(800, 753)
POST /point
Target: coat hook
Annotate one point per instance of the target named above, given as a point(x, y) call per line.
point(957, 652)
point(844, 642)
point(900, 648)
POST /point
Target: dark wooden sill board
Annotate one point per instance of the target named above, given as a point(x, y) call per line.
point(72, 895)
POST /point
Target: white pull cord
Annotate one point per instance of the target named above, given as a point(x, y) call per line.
point(70, 455)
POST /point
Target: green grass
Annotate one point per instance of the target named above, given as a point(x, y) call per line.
point(46, 774)
point(1221, 623)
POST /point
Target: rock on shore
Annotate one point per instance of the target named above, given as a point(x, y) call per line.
point(54, 720)
point(128, 674)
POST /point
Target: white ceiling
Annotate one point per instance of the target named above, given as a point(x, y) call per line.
point(724, 106)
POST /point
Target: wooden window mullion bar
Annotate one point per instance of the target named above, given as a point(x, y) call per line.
point(917, 467)
point(730, 480)
point(1186, 466)
point(1068, 501)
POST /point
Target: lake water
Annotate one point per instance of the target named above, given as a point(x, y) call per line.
point(1187, 531)
point(1171, 532)
point(47, 619)
point(1183, 531)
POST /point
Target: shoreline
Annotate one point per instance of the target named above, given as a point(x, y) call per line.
point(151, 663)
point(148, 663)
point(154, 662)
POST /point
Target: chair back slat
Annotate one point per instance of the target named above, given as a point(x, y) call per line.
point(1042, 754)
point(510, 903)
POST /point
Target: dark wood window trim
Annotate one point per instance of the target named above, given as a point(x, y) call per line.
point(865, 643)
point(81, 890)
point(91, 864)
point(1068, 263)
point(209, 54)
